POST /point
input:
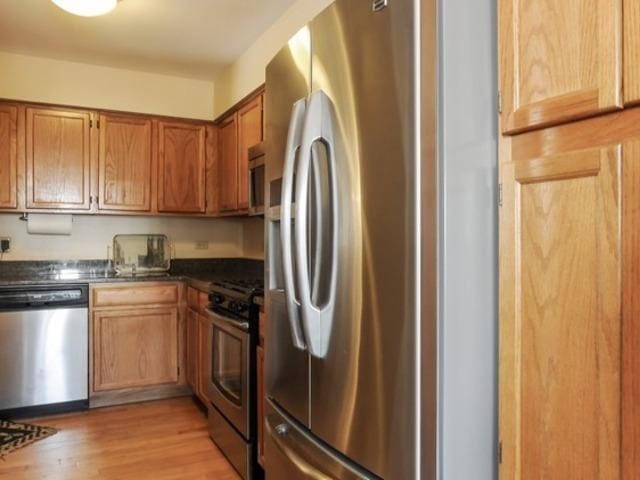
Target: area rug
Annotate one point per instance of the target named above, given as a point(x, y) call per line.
point(18, 435)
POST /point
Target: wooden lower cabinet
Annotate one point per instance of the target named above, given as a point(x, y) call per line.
point(202, 371)
point(137, 349)
point(197, 329)
point(570, 300)
point(196, 336)
point(193, 348)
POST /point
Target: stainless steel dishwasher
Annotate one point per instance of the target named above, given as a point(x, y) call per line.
point(44, 349)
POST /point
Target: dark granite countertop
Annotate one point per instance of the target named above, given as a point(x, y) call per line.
point(198, 272)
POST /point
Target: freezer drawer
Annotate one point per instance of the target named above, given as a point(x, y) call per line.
point(291, 452)
point(43, 357)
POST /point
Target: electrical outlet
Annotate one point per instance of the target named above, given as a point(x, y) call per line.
point(202, 245)
point(5, 244)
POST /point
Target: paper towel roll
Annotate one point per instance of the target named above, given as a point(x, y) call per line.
point(43, 224)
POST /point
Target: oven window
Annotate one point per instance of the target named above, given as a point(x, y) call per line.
point(226, 371)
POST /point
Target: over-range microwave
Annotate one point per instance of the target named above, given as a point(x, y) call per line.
point(256, 179)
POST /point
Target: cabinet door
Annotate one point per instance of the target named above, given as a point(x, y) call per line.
point(135, 348)
point(8, 156)
point(560, 60)
point(193, 331)
point(249, 134)
point(202, 371)
point(58, 159)
point(181, 168)
point(261, 400)
point(228, 149)
point(125, 163)
point(560, 316)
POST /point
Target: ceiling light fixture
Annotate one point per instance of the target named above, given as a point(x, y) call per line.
point(87, 8)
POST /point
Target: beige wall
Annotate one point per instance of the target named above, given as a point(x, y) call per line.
point(92, 234)
point(53, 81)
point(247, 73)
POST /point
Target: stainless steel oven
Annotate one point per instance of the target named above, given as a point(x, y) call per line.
point(229, 369)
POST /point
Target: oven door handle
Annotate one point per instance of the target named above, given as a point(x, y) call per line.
point(225, 321)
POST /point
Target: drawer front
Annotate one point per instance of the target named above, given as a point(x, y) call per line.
point(137, 294)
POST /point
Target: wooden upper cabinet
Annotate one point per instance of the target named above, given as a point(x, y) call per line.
point(249, 134)
point(125, 163)
point(559, 60)
point(561, 327)
point(58, 159)
point(213, 174)
point(8, 156)
point(228, 163)
point(181, 167)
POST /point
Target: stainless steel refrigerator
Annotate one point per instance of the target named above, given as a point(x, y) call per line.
point(343, 239)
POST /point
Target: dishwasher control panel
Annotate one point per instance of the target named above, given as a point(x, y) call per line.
point(43, 296)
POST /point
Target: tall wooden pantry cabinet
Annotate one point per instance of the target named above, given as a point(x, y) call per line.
point(569, 239)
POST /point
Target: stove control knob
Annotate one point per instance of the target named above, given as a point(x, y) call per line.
point(218, 299)
point(240, 307)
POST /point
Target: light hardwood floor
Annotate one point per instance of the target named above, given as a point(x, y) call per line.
point(161, 440)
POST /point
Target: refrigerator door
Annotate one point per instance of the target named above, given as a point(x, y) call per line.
point(288, 81)
point(363, 376)
point(293, 454)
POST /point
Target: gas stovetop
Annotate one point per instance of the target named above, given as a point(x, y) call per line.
point(235, 297)
point(244, 289)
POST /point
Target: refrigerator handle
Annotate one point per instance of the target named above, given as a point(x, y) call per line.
point(316, 320)
point(292, 148)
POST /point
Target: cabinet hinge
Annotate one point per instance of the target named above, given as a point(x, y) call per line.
point(499, 101)
point(500, 453)
point(500, 195)
point(90, 123)
point(178, 371)
point(98, 124)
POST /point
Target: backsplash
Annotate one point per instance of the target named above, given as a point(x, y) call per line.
point(191, 238)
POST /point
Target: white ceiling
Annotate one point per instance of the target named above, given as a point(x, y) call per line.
point(189, 38)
